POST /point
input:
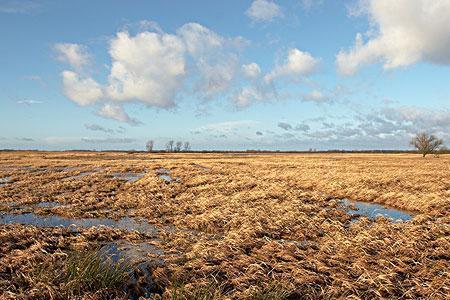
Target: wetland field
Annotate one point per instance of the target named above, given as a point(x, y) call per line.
point(117, 225)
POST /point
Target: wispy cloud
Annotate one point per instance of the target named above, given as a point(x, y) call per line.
point(19, 6)
point(95, 127)
point(29, 102)
point(310, 4)
point(284, 125)
point(227, 127)
point(388, 127)
point(108, 140)
point(25, 139)
point(35, 78)
point(316, 96)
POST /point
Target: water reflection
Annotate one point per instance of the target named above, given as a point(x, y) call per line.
point(373, 210)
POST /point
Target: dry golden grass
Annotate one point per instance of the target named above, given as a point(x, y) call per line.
point(265, 226)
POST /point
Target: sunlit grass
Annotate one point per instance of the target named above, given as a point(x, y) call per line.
point(81, 272)
point(93, 270)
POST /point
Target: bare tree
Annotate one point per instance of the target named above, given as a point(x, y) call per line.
point(187, 146)
point(178, 146)
point(426, 144)
point(149, 145)
point(169, 146)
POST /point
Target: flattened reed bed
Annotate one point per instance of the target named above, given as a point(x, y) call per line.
point(56, 263)
point(269, 218)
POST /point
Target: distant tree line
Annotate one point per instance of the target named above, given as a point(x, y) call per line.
point(171, 146)
point(423, 143)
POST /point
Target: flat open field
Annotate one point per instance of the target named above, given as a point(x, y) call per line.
point(222, 226)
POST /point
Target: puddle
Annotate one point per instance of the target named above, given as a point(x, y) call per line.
point(30, 205)
point(202, 167)
point(24, 168)
point(140, 283)
point(164, 174)
point(70, 169)
point(47, 204)
point(166, 178)
point(4, 180)
point(82, 174)
point(126, 223)
point(134, 253)
point(129, 177)
point(162, 171)
point(8, 204)
point(142, 257)
point(373, 210)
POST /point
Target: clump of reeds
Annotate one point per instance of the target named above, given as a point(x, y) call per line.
point(209, 291)
point(274, 290)
point(93, 270)
point(81, 273)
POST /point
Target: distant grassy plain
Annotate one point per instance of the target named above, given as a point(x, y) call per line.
point(241, 226)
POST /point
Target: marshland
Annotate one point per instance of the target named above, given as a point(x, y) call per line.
point(117, 225)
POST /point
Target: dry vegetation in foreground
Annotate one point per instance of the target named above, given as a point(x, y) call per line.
point(266, 226)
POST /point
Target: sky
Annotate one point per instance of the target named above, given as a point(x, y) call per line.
point(223, 75)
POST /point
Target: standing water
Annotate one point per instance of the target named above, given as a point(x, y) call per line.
point(125, 223)
point(373, 210)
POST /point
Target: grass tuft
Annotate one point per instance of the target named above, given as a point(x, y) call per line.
point(210, 291)
point(273, 291)
point(93, 270)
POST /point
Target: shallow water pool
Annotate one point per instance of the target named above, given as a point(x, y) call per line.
point(126, 223)
point(373, 210)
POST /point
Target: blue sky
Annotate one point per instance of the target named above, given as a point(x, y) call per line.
point(287, 75)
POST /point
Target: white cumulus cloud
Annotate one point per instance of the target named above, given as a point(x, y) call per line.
point(251, 70)
point(316, 96)
point(215, 58)
point(116, 112)
point(247, 96)
point(74, 54)
point(149, 67)
point(82, 91)
point(296, 65)
point(264, 11)
point(402, 33)
point(152, 67)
